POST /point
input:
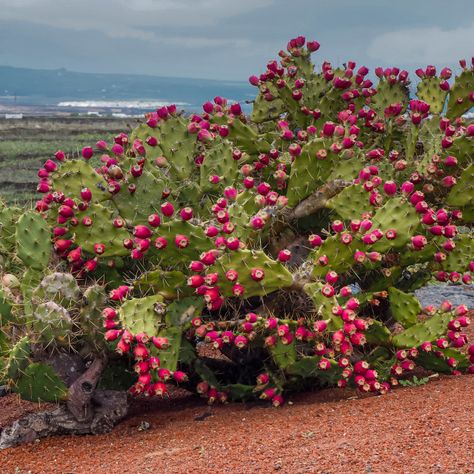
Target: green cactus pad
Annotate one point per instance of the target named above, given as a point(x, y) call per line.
point(315, 88)
point(304, 65)
point(101, 231)
point(239, 392)
point(139, 315)
point(4, 351)
point(308, 172)
point(33, 242)
point(8, 218)
point(218, 161)
point(90, 315)
point(380, 281)
point(331, 103)
point(18, 359)
point(396, 214)
point(430, 361)
point(276, 275)
point(462, 193)
point(246, 137)
point(428, 90)
point(117, 377)
point(458, 102)
point(377, 333)
point(340, 256)
point(180, 313)
point(323, 305)
point(462, 149)
point(404, 307)
point(5, 308)
point(169, 357)
point(168, 284)
point(264, 110)
point(388, 94)
point(173, 255)
point(40, 383)
point(351, 202)
point(292, 106)
point(205, 373)
point(458, 259)
point(284, 355)
point(347, 168)
point(175, 143)
point(241, 218)
point(137, 206)
point(307, 367)
point(30, 281)
point(431, 136)
point(74, 175)
point(411, 256)
point(428, 330)
point(187, 353)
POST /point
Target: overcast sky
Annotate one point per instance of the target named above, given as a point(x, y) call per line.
point(229, 39)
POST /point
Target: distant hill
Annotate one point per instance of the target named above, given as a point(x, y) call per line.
point(38, 86)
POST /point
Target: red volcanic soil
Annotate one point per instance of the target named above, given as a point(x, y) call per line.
point(426, 429)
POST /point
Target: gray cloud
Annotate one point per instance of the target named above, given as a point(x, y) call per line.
point(227, 39)
point(423, 45)
point(126, 18)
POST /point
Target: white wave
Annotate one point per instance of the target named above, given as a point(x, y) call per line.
point(119, 104)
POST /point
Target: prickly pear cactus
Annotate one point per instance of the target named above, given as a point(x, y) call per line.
point(290, 241)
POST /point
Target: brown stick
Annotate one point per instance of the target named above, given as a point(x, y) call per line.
point(82, 390)
point(318, 199)
point(281, 235)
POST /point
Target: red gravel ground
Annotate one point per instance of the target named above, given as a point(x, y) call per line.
point(427, 429)
point(12, 407)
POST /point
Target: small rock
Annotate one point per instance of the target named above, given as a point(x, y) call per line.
point(144, 426)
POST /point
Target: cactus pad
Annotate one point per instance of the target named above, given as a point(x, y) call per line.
point(244, 261)
point(358, 198)
point(33, 240)
point(428, 90)
point(403, 307)
point(40, 383)
point(143, 315)
point(101, 231)
point(458, 102)
point(52, 322)
point(74, 175)
point(428, 330)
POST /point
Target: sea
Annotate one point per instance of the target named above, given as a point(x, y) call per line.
point(37, 92)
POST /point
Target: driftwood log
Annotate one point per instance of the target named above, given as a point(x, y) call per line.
point(86, 411)
point(281, 234)
point(81, 391)
point(109, 407)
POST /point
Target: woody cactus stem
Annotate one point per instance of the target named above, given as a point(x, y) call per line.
point(369, 189)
